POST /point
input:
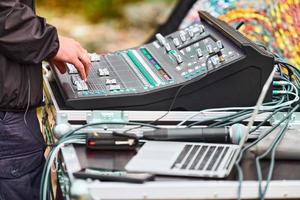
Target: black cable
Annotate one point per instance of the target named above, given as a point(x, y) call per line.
point(169, 110)
point(174, 98)
point(241, 118)
point(241, 113)
point(292, 69)
point(209, 58)
point(290, 72)
point(289, 65)
point(239, 25)
point(171, 105)
point(262, 46)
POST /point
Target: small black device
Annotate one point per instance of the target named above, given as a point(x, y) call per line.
point(113, 175)
point(111, 141)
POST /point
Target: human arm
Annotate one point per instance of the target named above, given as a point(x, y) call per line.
point(26, 38)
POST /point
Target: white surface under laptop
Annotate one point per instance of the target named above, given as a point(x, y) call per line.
point(185, 159)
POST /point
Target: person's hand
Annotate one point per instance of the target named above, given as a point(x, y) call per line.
point(70, 51)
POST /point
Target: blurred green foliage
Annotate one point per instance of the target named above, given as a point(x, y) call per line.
point(93, 10)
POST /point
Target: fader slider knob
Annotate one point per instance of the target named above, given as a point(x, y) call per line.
point(214, 60)
point(167, 47)
point(160, 38)
point(199, 53)
point(100, 72)
point(106, 72)
point(114, 87)
point(71, 69)
point(201, 29)
point(94, 57)
point(111, 81)
point(220, 44)
point(178, 58)
point(209, 49)
point(191, 33)
point(81, 86)
point(176, 42)
point(182, 36)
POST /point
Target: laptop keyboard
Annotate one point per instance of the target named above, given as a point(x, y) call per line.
point(207, 157)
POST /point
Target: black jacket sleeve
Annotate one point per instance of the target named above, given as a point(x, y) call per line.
point(25, 37)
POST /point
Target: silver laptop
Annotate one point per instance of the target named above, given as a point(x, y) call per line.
point(192, 159)
point(185, 159)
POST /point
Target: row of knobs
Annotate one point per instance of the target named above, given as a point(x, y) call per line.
point(184, 36)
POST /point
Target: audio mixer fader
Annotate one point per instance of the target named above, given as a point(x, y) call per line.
point(208, 64)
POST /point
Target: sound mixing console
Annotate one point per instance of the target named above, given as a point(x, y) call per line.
point(208, 64)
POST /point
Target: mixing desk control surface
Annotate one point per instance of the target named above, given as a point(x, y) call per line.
point(199, 63)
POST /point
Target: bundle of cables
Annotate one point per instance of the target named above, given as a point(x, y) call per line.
point(286, 99)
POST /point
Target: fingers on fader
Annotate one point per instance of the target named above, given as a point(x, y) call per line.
point(80, 68)
point(86, 61)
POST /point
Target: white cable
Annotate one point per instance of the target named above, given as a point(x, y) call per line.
point(28, 100)
point(258, 105)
